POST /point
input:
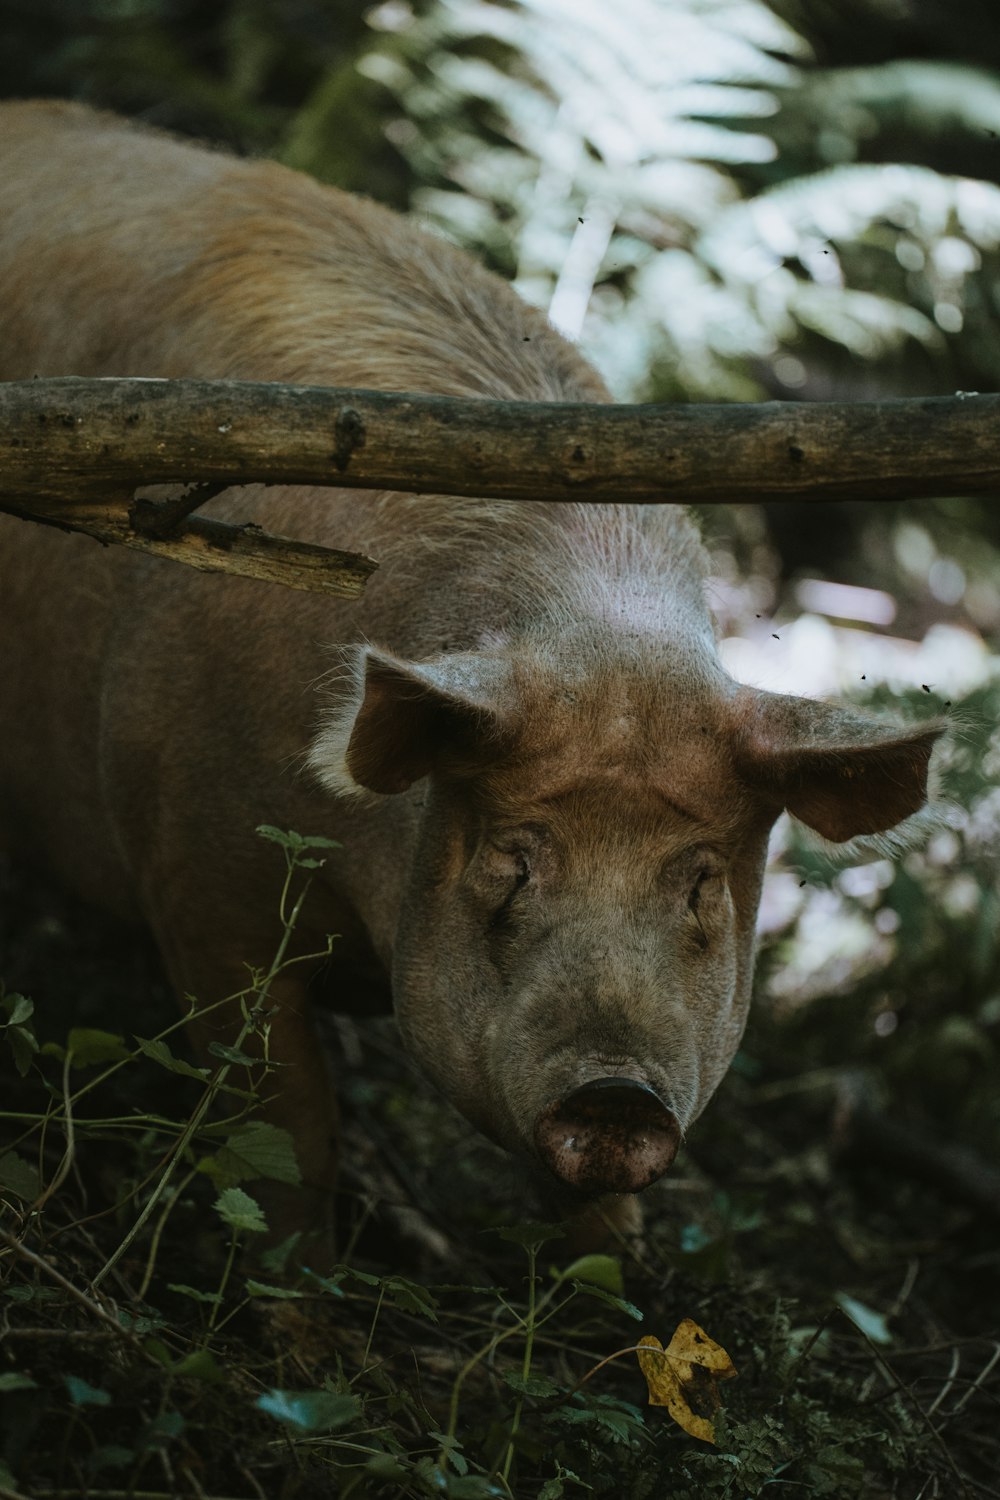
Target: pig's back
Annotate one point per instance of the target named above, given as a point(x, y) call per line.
point(126, 252)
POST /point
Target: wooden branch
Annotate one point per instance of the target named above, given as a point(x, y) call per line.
point(209, 545)
point(73, 452)
point(127, 432)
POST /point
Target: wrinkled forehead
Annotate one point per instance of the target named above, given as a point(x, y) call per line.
point(623, 745)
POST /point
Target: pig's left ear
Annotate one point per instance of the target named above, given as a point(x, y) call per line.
point(405, 719)
point(842, 773)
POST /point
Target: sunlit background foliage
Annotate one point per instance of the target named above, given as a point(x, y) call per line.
point(692, 187)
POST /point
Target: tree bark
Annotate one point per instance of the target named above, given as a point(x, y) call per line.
point(73, 452)
point(131, 432)
point(209, 545)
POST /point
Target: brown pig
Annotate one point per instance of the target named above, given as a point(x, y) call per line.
point(553, 802)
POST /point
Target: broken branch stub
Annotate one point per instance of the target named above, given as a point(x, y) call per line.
point(201, 542)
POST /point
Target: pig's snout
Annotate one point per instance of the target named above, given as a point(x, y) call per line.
point(613, 1135)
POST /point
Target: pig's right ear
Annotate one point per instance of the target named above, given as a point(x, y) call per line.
point(841, 772)
point(405, 719)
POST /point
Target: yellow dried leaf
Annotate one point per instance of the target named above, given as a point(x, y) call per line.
point(684, 1377)
point(693, 1344)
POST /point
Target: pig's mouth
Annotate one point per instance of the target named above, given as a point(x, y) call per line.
point(612, 1135)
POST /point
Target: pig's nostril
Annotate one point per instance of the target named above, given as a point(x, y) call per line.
point(612, 1135)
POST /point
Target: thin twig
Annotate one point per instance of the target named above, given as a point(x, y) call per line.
point(93, 1308)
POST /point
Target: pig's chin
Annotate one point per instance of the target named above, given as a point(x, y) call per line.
point(611, 1135)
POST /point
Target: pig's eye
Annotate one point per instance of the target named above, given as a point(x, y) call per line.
point(694, 903)
point(510, 860)
point(520, 869)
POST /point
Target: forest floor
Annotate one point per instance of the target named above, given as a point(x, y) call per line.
point(827, 1225)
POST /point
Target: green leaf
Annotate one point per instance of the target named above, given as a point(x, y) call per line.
point(833, 1471)
point(455, 1486)
point(597, 1270)
point(386, 1466)
point(82, 1394)
point(329, 1284)
point(694, 1237)
point(531, 1385)
point(233, 1055)
point(453, 1447)
point(295, 843)
point(275, 836)
point(872, 1324)
point(469, 1288)
point(147, 1321)
point(201, 1365)
point(257, 1149)
point(620, 1419)
point(620, 1303)
point(19, 1177)
point(12, 1381)
point(156, 1348)
point(365, 1277)
point(263, 1289)
point(90, 1046)
point(310, 1411)
point(16, 1008)
point(555, 1489)
point(533, 1235)
point(241, 1212)
point(24, 1046)
point(193, 1292)
point(163, 1427)
point(158, 1051)
point(276, 1257)
point(410, 1296)
point(21, 1294)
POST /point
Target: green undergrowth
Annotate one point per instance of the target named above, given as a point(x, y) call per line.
point(832, 1224)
